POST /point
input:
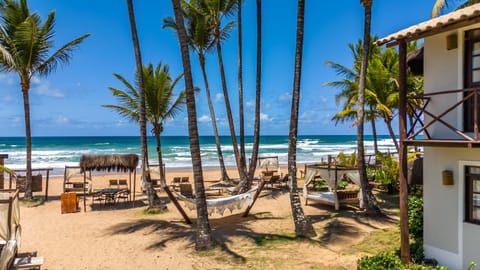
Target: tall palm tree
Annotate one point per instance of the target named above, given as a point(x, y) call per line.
point(218, 10)
point(203, 236)
point(440, 5)
point(369, 201)
point(200, 39)
point(303, 226)
point(241, 117)
point(25, 44)
point(161, 103)
point(246, 183)
point(147, 184)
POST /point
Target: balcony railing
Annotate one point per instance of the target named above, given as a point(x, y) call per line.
point(420, 127)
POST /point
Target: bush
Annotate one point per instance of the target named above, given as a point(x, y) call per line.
point(381, 261)
point(415, 217)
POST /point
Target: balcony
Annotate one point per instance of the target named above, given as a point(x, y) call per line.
point(440, 116)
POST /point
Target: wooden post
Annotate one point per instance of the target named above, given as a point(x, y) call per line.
point(84, 194)
point(402, 153)
point(2, 157)
point(259, 190)
point(46, 185)
point(177, 204)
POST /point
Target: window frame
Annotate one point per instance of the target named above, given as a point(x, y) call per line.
point(469, 192)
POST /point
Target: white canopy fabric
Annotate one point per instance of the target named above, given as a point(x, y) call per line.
point(331, 176)
point(221, 204)
point(267, 163)
point(8, 231)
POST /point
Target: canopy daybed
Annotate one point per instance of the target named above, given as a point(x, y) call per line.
point(332, 174)
point(10, 229)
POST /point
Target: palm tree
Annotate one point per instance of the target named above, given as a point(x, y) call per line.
point(203, 236)
point(241, 119)
point(246, 183)
point(218, 10)
point(303, 226)
point(200, 39)
point(161, 103)
point(147, 184)
point(440, 6)
point(369, 201)
point(24, 45)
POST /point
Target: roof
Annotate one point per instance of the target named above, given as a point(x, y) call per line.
point(460, 18)
point(126, 162)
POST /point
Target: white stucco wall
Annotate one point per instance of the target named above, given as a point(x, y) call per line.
point(447, 238)
point(441, 74)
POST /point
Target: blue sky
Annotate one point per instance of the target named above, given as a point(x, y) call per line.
point(68, 102)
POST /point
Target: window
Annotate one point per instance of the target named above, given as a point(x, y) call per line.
point(472, 75)
point(472, 194)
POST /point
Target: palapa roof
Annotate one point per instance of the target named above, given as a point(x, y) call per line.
point(116, 162)
point(460, 18)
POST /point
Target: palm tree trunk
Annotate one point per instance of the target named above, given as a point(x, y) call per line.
point(151, 193)
point(157, 131)
point(374, 131)
point(223, 170)
point(203, 236)
point(388, 121)
point(241, 166)
point(303, 226)
point(240, 85)
point(369, 201)
point(28, 140)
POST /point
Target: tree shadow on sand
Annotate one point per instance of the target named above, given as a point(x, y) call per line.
point(224, 230)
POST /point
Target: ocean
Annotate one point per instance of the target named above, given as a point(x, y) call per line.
point(58, 152)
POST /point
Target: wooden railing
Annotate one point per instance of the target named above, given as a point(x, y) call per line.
point(419, 126)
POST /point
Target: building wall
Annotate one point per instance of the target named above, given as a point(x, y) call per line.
point(447, 238)
point(441, 66)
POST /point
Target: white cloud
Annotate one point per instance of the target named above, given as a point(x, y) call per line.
point(62, 120)
point(43, 88)
point(285, 97)
point(8, 78)
point(265, 117)
point(204, 118)
point(250, 103)
point(218, 97)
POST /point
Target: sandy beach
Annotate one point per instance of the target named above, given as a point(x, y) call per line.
point(123, 237)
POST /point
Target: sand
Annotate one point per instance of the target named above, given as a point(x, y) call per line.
point(123, 237)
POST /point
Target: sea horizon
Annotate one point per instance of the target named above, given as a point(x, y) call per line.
point(56, 152)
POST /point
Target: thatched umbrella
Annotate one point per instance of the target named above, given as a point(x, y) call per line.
point(122, 163)
point(415, 61)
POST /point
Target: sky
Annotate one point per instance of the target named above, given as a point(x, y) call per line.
point(69, 101)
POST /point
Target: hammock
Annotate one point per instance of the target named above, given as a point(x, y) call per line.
point(221, 204)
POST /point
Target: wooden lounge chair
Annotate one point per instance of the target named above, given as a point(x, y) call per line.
point(186, 190)
point(175, 182)
point(113, 183)
point(185, 179)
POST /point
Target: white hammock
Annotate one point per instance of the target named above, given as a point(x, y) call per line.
point(221, 204)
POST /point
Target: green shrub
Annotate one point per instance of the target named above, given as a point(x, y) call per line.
point(416, 251)
point(381, 261)
point(415, 217)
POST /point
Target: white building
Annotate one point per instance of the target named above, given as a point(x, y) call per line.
point(449, 133)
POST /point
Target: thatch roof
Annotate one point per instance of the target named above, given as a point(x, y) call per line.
point(124, 163)
point(415, 61)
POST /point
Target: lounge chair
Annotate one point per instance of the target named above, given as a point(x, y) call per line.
point(185, 179)
point(113, 183)
point(175, 182)
point(186, 190)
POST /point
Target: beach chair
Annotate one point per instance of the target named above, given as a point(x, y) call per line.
point(185, 179)
point(186, 190)
point(125, 193)
point(175, 182)
point(113, 183)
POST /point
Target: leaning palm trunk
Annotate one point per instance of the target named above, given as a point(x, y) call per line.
point(151, 193)
point(369, 201)
point(303, 226)
point(203, 237)
point(388, 121)
point(157, 131)
point(223, 169)
point(28, 140)
point(242, 170)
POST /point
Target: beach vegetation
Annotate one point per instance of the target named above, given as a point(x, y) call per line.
point(25, 46)
point(160, 100)
point(440, 5)
point(203, 239)
point(303, 226)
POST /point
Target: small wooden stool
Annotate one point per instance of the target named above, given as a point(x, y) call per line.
point(69, 202)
